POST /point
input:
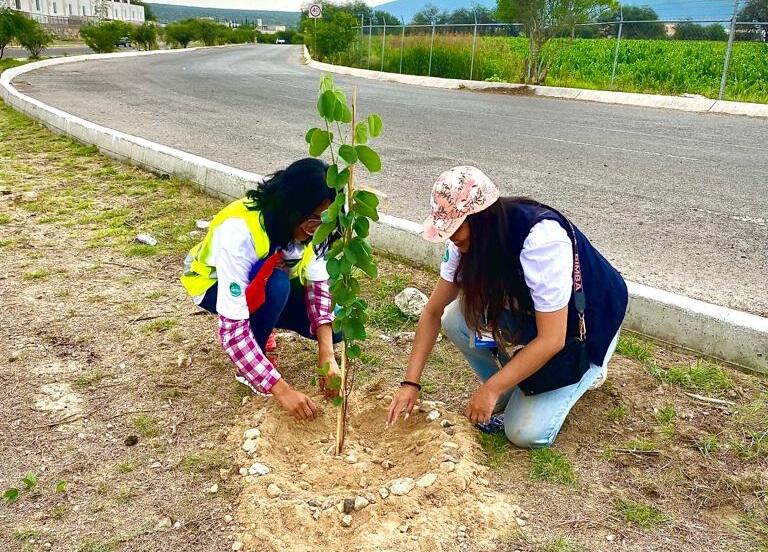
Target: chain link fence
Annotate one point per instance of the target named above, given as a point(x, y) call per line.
point(608, 55)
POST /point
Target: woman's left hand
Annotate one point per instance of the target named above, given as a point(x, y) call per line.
point(333, 370)
point(481, 404)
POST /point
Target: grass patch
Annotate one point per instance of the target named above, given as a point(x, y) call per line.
point(160, 326)
point(495, 446)
point(126, 467)
point(667, 416)
point(643, 515)
point(206, 461)
point(91, 545)
point(40, 274)
point(708, 444)
point(24, 534)
point(752, 446)
point(89, 378)
point(634, 348)
point(550, 465)
point(147, 426)
point(617, 413)
point(701, 375)
point(560, 544)
point(4, 219)
point(387, 317)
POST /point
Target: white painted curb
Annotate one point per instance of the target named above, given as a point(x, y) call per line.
point(731, 335)
point(694, 104)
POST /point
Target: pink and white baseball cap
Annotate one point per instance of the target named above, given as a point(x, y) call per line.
point(458, 193)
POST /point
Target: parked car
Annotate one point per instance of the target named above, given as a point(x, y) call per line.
point(280, 41)
point(124, 41)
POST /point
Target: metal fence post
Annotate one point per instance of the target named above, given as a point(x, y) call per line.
point(474, 42)
point(383, 44)
point(618, 42)
point(728, 50)
point(402, 45)
point(370, 40)
point(431, 45)
point(362, 37)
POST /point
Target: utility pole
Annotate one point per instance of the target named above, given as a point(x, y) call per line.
point(618, 42)
point(731, 37)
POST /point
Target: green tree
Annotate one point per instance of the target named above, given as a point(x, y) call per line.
point(34, 38)
point(652, 29)
point(331, 34)
point(466, 16)
point(754, 10)
point(543, 20)
point(430, 15)
point(380, 17)
point(145, 36)
point(693, 31)
point(180, 33)
point(207, 31)
point(12, 23)
point(105, 37)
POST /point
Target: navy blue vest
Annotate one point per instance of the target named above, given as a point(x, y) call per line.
point(604, 288)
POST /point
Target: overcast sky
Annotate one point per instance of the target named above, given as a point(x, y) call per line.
point(275, 5)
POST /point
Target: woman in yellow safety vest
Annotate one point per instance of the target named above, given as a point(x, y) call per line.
point(257, 270)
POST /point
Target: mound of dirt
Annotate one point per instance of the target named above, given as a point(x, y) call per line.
point(416, 486)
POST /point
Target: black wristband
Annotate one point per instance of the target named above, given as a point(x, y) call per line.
point(411, 383)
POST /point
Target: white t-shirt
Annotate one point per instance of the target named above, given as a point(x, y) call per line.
point(547, 261)
point(234, 256)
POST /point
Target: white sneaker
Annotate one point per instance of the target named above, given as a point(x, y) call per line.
point(600, 379)
point(241, 379)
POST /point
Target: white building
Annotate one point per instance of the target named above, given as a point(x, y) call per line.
point(42, 10)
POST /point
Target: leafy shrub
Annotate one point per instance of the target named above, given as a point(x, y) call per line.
point(34, 38)
point(11, 25)
point(180, 33)
point(145, 36)
point(105, 37)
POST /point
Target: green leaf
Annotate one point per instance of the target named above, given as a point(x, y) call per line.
point(357, 252)
point(348, 154)
point(375, 125)
point(330, 214)
point(369, 198)
point(334, 383)
point(365, 210)
point(351, 255)
point(354, 351)
point(369, 158)
point(326, 82)
point(337, 401)
point(30, 480)
point(308, 136)
point(361, 133)
point(61, 487)
point(362, 227)
point(323, 370)
point(333, 266)
point(331, 175)
point(343, 179)
point(321, 139)
point(354, 329)
point(313, 381)
point(370, 269)
point(322, 232)
point(334, 251)
point(326, 105)
point(11, 495)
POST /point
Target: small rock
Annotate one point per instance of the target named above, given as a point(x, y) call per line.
point(379, 397)
point(227, 519)
point(13, 357)
point(313, 503)
point(610, 538)
point(28, 197)
point(146, 239)
point(237, 545)
point(433, 415)
point(165, 523)
point(520, 522)
point(405, 338)
point(250, 446)
point(360, 503)
point(273, 491)
point(482, 481)
point(450, 445)
point(404, 528)
point(449, 431)
point(363, 482)
point(340, 507)
point(252, 433)
point(202, 224)
point(402, 486)
point(387, 398)
point(411, 302)
point(224, 474)
point(325, 440)
point(385, 338)
point(351, 459)
point(383, 492)
point(346, 521)
point(156, 465)
point(258, 418)
point(131, 440)
point(304, 485)
point(387, 464)
point(427, 480)
point(47, 545)
point(316, 514)
point(243, 471)
point(349, 505)
point(213, 489)
point(371, 498)
point(177, 525)
point(303, 468)
point(258, 469)
point(448, 467)
point(245, 400)
point(446, 423)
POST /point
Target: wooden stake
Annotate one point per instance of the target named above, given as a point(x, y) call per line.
point(341, 416)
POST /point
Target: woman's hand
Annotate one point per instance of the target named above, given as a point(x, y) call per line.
point(333, 371)
point(481, 404)
point(295, 403)
point(404, 401)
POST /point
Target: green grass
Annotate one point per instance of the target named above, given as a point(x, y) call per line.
point(708, 444)
point(91, 545)
point(496, 446)
point(126, 467)
point(89, 378)
point(4, 219)
point(560, 544)
point(550, 465)
point(40, 274)
point(160, 326)
point(10, 63)
point(24, 534)
point(643, 515)
point(651, 66)
point(206, 461)
point(666, 416)
point(147, 426)
point(617, 413)
point(700, 376)
point(752, 445)
point(642, 445)
point(634, 348)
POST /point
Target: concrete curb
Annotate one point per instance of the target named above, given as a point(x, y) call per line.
point(734, 336)
point(693, 104)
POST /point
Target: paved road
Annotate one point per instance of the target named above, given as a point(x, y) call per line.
point(677, 200)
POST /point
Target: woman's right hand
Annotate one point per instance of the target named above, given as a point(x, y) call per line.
point(403, 402)
point(295, 403)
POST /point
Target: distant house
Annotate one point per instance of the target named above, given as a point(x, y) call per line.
point(47, 10)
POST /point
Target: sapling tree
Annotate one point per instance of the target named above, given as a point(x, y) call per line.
point(345, 139)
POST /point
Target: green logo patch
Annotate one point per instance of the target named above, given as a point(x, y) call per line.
point(446, 255)
point(235, 290)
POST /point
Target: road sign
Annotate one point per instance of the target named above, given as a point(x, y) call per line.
point(315, 11)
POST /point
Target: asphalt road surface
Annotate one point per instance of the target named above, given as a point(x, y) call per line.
point(676, 200)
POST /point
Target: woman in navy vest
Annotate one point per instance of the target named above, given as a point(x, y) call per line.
point(523, 294)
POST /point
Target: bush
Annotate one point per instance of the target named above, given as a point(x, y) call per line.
point(11, 25)
point(145, 36)
point(241, 35)
point(105, 37)
point(33, 38)
point(180, 33)
point(207, 32)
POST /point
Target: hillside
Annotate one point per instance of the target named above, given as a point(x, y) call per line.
point(667, 9)
point(167, 12)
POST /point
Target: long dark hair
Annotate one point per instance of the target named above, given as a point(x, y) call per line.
point(490, 279)
point(287, 198)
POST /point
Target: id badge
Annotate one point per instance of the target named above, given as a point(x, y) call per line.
point(482, 340)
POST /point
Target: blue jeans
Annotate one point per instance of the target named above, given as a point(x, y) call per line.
point(530, 421)
point(284, 307)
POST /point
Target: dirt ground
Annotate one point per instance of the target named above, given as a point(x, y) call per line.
point(121, 426)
